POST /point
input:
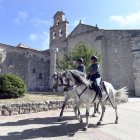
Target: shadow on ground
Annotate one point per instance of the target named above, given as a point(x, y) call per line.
point(52, 128)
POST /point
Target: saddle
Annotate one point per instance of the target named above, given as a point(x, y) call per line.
point(93, 86)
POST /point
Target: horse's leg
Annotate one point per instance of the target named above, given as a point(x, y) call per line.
point(114, 105)
point(87, 117)
point(79, 113)
point(97, 107)
point(93, 115)
point(103, 111)
point(116, 112)
point(63, 107)
point(76, 109)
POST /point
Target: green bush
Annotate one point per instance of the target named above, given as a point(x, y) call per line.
point(11, 86)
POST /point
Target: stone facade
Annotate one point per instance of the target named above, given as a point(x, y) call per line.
point(136, 63)
point(120, 50)
point(31, 65)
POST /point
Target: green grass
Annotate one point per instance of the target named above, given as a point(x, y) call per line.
point(35, 96)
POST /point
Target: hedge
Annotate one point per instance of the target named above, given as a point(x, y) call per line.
point(11, 86)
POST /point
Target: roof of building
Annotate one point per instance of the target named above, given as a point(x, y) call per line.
point(22, 46)
point(59, 13)
point(82, 28)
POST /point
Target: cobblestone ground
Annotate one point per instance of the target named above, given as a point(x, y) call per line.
point(44, 125)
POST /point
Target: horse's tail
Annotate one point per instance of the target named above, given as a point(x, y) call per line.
point(122, 93)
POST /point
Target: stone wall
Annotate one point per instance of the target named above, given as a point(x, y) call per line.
point(136, 63)
point(34, 107)
point(118, 63)
point(31, 107)
point(115, 47)
point(31, 65)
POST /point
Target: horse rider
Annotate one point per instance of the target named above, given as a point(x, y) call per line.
point(80, 66)
point(94, 76)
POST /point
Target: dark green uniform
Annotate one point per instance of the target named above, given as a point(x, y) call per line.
point(81, 68)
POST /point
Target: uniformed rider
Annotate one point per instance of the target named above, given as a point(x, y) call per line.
point(94, 76)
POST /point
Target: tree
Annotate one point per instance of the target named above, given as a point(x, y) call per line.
point(79, 51)
point(64, 62)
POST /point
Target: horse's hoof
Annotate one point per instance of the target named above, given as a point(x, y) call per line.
point(84, 129)
point(93, 115)
point(81, 121)
point(99, 123)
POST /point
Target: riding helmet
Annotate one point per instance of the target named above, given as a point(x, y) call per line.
point(80, 60)
point(94, 57)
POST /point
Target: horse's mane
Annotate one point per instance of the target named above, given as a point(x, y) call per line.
point(80, 78)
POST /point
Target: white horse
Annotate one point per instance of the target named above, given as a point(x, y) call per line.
point(69, 93)
point(87, 96)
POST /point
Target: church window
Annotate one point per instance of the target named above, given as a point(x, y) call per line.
point(34, 71)
point(57, 23)
point(54, 35)
point(40, 76)
point(60, 33)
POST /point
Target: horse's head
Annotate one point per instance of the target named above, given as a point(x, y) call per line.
point(68, 79)
point(59, 80)
point(56, 81)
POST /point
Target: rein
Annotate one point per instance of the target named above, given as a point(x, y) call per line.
point(79, 95)
point(62, 84)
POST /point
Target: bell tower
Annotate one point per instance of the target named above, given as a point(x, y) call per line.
point(58, 31)
point(58, 34)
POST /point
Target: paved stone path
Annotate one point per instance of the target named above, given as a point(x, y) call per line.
point(44, 125)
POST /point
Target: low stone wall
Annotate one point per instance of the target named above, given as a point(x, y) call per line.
point(34, 107)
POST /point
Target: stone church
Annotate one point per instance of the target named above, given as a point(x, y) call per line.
point(120, 50)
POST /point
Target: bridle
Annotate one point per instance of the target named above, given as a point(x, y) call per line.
point(59, 78)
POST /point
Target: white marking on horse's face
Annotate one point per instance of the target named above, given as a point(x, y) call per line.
point(65, 80)
point(56, 80)
point(54, 77)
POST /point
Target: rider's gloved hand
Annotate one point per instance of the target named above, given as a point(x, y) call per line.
point(88, 76)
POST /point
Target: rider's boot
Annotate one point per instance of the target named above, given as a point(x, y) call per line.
point(99, 93)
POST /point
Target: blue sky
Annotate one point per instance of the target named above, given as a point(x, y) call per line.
point(28, 21)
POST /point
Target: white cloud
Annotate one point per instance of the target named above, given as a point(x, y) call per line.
point(39, 22)
point(22, 17)
point(132, 19)
point(42, 38)
point(33, 36)
point(23, 14)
